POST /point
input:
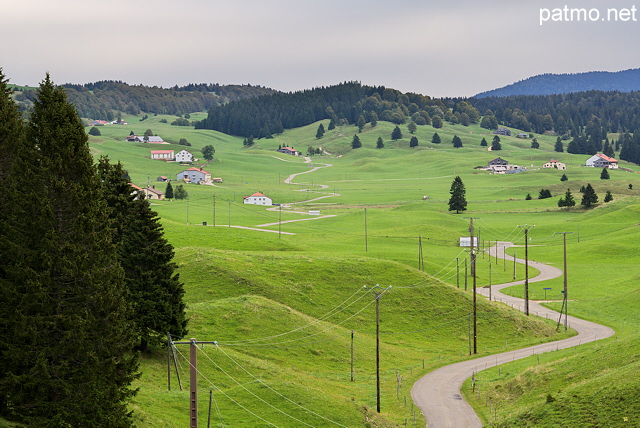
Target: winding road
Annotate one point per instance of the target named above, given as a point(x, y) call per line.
point(438, 393)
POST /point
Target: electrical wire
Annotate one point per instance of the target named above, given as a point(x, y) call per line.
point(273, 390)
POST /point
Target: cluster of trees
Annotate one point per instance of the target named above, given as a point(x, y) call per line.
point(107, 99)
point(86, 275)
point(346, 103)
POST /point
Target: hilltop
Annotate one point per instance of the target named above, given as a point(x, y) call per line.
point(549, 84)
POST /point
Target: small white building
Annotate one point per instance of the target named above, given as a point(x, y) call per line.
point(555, 164)
point(184, 156)
point(166, 155)
point(600, 160)
point(258, 199)
point(465, 241)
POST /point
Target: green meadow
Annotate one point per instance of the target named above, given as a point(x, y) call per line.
point(283, 302)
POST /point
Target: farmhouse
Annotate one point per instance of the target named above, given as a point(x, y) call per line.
point(555, 164)
point(194, 175)
point(522, 135)
point(150, 139)
point(166, 155)
point(502, 131)
point(184, 156)
point(289, 151)
point(602, 161)
point(497, 162)
point(258, 199)
point(153, 193)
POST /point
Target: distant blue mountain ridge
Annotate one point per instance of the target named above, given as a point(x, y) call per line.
point(548, 84)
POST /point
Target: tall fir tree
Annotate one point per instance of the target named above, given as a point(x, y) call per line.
point(396, 134)
point(589, 196)
point(70, 360)
point(604, 174)
point(457, 142)
point(558, 146)
point(168, 192)
point(147, 259)
point(458, 200)
point(379, 143)
point(320, 131)
point(355, 143)
point(414, 141)
point(436, 138)
point(495, 144)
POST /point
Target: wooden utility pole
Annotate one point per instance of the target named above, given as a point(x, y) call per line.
point(352, 374)
point(378, 294)
point(193, 384)
point(565, 302)
point(526, 267)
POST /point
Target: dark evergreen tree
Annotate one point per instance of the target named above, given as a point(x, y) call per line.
point(608, 197)
point(564, 177)
point(483, 143)
point(567, 200)
point(528, 197)
point(332, 124)
point(355, 143)
point(412, 127)
point(70, 359)
point(436, 138)
point(558, 146)
point(379, 143)
point(458, 200)
point(535, 144)
point(147, 259)
point(413, 142)
point(94, 131)
point(604, 175)
point(495, 144)
point(168, 193)
point(361, 122)
point(320, 131)
point(396, 134)
point(544, 194)
point(589, 197)
point(457, 142)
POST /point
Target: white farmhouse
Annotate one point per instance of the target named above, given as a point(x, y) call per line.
point(602, 161)
point(184, 156)
point(258, 199)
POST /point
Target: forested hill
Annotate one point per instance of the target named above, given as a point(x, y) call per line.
point(547, 84)
point(349, 102)
point(106, 99)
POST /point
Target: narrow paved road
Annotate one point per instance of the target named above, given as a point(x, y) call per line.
point(438, 393)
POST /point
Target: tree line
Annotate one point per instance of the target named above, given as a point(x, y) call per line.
point(345, 103)
point(87, 278)
point(108, 99)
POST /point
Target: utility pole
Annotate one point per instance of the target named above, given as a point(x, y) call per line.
point(378, 294)
point(193, 378)
point(515, 252)
point(473, 273)
point(565, 302)
point(526, 267)
point(352, 374)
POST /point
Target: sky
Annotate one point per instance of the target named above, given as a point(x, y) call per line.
point(446, 48)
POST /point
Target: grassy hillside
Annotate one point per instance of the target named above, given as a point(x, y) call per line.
point(282, 305)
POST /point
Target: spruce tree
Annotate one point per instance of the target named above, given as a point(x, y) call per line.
point(147, 259)
point(569, 201)
point(70, 360)
point(360, 123)
point(458, 201)
point(436, 138)
point(589, 197)
point(558, 147)
point(495, 144)
point(355, 143)
point(396, 134)
point(483, 143)
point(604, 175)
point(457, 142)
point(374, 119)
point(379, 143)
point(320, 131)
point(414, 141)
point(608, 197)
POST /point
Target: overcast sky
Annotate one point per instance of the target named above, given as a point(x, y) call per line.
point(438, 48)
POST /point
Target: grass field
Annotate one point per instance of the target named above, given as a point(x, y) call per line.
point(282, 305)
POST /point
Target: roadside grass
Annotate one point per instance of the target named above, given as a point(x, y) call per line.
point(243, 285)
